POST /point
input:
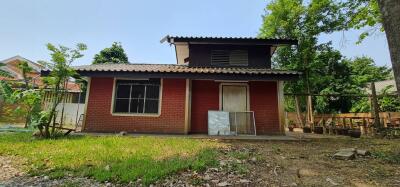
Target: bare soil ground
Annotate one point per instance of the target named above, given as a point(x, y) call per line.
point(301, 164)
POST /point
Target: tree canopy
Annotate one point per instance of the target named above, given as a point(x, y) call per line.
point(326, 71)
point(112, 55)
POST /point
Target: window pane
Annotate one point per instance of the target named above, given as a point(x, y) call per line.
point(137, 91)
point(123, 91)
point(151, 106)
point(137, 105)
point(121, 105)
point(152, 92)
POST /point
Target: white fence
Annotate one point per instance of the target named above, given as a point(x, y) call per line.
point(71, 113)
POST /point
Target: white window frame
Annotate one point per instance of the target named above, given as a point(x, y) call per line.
point(135, 114)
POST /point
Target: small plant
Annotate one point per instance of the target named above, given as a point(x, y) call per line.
point(391, 157)
point(60, 72)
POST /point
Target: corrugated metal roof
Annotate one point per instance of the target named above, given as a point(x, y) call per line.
point(173, 68)
point(172, 39)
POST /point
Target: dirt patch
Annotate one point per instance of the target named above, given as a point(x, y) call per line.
point(312, 164)
point(9, 168)
point(11, 174)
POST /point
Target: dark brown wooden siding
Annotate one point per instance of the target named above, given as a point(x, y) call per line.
point(200, 54)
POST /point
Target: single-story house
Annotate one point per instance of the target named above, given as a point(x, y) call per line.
point(211, 74)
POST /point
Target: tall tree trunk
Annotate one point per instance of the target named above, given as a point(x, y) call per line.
point(375, 107)
point(300, 118)
point(390, 10)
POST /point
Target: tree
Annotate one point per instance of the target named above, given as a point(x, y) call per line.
point(364, 71)
point(390, 10)
point(305, 22)
point(382, 14)
point(326, 71)
point(112, 55)
point(61, 59)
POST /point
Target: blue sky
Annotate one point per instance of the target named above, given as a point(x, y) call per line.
point(27, 25)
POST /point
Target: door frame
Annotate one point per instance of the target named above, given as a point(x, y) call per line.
point(234, 84)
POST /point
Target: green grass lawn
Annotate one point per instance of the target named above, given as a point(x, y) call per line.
point(109, 158)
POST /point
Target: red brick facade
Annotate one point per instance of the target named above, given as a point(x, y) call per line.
point(205, 96)
point(264, 103)
point(171, 120)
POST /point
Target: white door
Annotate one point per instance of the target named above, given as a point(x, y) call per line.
point(234, 98)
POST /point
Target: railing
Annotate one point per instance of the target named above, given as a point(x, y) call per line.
point(242, 123)
point(231, 123)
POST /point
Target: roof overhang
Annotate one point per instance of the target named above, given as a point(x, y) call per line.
point(181, 71)
point(205, 76)
point(229, 40)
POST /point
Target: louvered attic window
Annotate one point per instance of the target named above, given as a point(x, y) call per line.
point(220, 57)
point(239, 58)
point(229, 58)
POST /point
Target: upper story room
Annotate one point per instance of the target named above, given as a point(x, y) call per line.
point(225, 51)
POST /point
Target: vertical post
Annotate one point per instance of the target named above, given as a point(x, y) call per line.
point(77, 110)
point(310, 117)
point(375, 106)
point(89, 81)
point(254, 124)
point(281, 107)
point(236, 124)
point(187, 106)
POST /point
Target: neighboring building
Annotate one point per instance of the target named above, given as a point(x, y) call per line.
point(390, 84)
point(73, 103)
point(211, 74)
point(12, 68)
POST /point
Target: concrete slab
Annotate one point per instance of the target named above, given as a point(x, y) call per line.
point(203, 136)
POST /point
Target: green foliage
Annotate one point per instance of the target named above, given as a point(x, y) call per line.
point(389, 103)
point(4, 73)
point(361, 105)
point(126, 158)
point(362, 14)
point(6, 91)
point(112, 55)
point(61, 71)
point(325, 70)
point(25, 68)
point(391, 157)
point(28, 102)
point(364, 71)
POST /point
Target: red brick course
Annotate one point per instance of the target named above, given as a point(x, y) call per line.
point(171, 120)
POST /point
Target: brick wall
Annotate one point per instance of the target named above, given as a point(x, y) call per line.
point(171, 120)
point(264, 103)
point(205, 96)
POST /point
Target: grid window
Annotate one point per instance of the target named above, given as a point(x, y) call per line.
point(137, 96)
